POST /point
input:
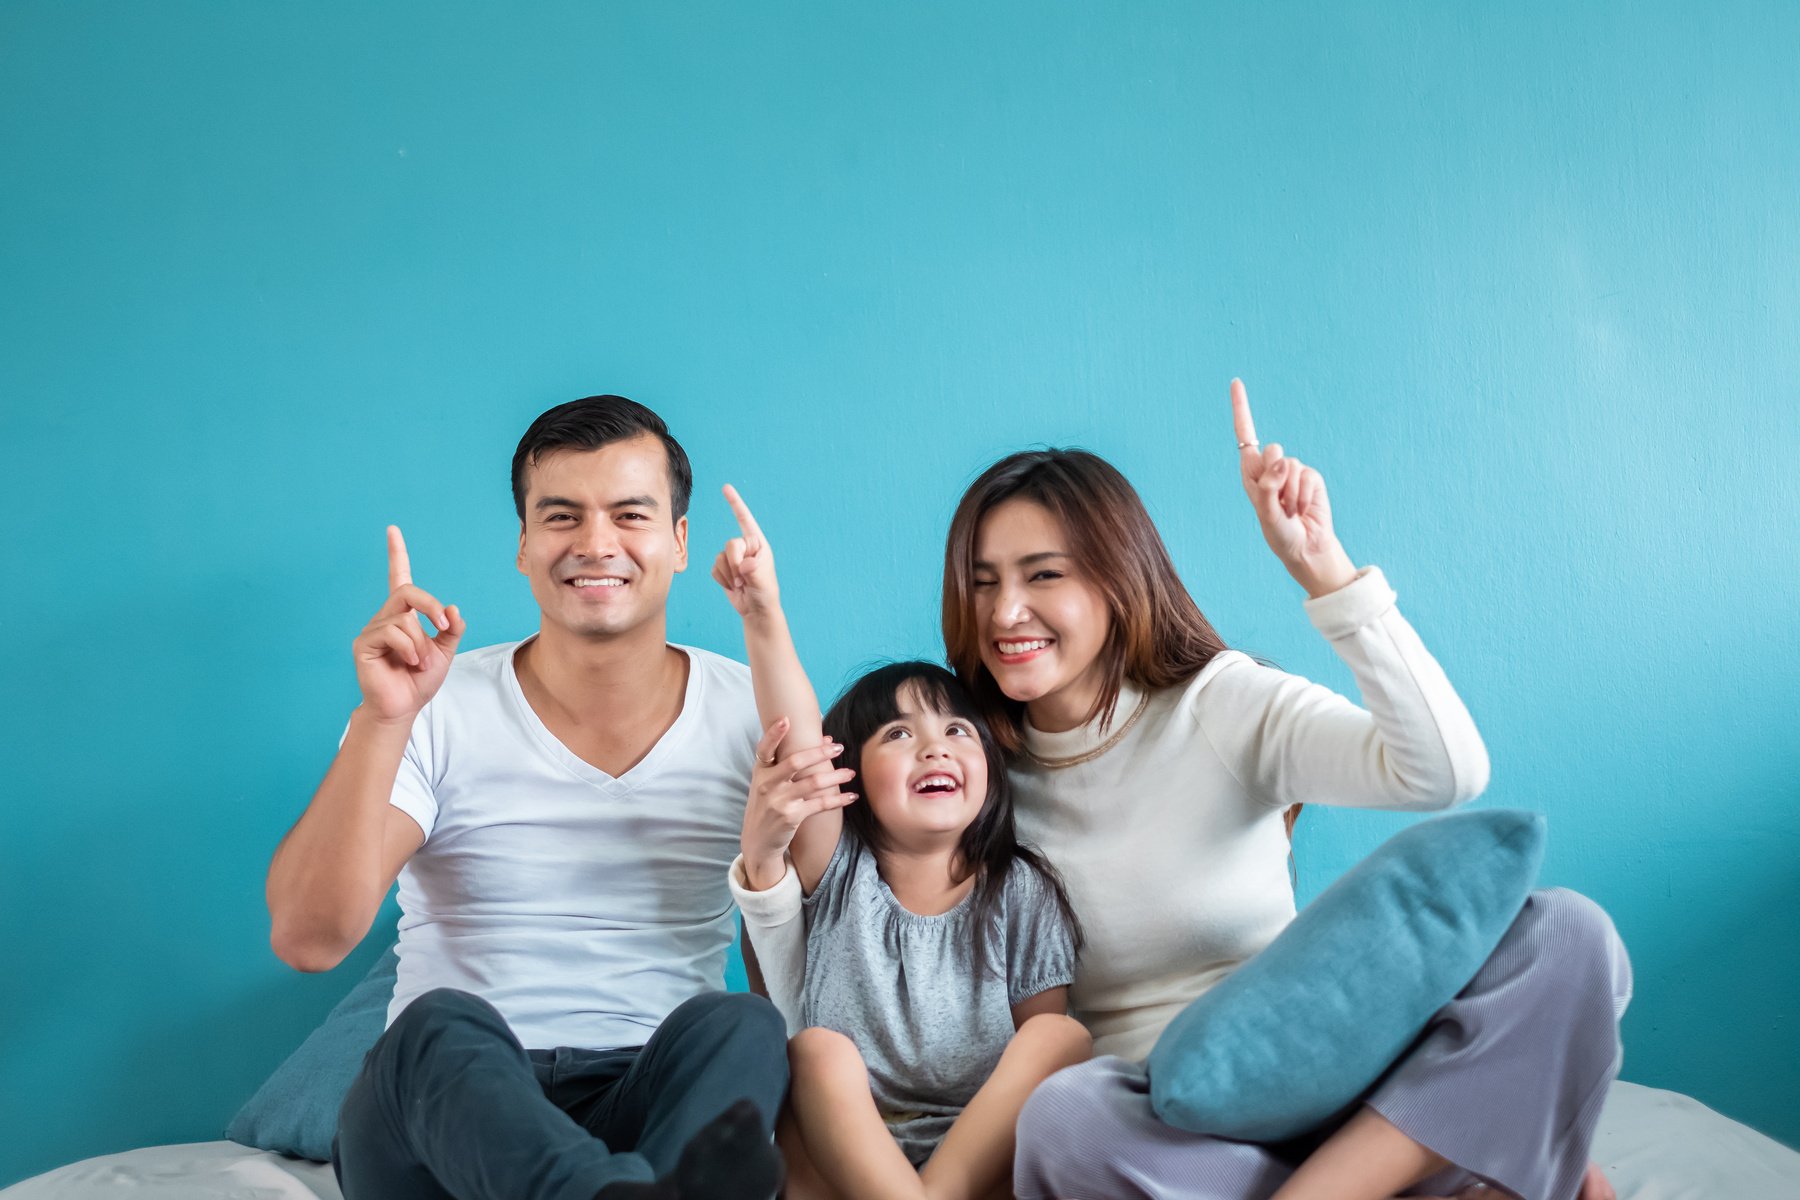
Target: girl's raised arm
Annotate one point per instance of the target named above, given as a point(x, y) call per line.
point(746, 570)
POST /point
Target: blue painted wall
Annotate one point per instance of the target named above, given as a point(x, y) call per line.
point(1521, 279)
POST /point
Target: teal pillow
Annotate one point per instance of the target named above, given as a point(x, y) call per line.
point(1304, 1028)
point(296, 1109)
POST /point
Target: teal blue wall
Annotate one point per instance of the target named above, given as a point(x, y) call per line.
point(1520, 278)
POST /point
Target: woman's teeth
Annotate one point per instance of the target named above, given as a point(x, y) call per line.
point(1023, 647)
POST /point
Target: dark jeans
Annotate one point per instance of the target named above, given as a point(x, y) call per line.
point(449, 1105)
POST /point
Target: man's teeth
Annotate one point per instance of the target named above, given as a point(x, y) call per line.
point(1022, 647)
point(587, 583)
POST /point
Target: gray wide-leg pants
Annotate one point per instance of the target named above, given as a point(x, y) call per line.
point(1507, 1082)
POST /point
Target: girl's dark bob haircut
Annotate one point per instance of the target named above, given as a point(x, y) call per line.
point(989, 847)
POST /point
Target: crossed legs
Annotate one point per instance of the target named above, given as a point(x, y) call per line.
point(837, 1146)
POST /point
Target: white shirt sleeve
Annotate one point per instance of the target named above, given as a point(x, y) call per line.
point(776, 925)
point(412, 792)
point(1289, 741)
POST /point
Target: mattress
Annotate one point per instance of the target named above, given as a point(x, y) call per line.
point(1653, 1145)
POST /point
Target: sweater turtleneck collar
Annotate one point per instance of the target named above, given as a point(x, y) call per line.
point(1083, 738)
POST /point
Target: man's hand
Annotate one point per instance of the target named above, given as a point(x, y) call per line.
point(398, 667)
point(783, 794)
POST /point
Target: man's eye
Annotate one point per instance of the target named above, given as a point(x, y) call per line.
point(555, 517)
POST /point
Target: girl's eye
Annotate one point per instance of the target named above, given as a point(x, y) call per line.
point(960, 728)
point(895, 734)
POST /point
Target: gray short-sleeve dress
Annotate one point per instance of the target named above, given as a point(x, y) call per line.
point(929, 1021)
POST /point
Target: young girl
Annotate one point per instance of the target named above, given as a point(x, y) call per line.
point(938, 952)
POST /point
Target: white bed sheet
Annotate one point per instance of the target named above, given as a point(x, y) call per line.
point(1654, 1145)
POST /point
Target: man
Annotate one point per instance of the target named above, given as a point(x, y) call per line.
point(560, 814)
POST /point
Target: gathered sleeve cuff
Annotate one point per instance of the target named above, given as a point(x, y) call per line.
point(775, 923)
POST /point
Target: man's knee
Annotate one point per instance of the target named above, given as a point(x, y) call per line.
point(433, 1012)
point(733, 1017)
point(736, 1041)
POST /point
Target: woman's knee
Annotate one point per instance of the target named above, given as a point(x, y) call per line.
point(1569, 916)
point(1061, 1107)
point(1575, 921)
point(1574, 932)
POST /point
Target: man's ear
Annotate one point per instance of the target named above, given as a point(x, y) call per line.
point(681, 545)
point(520, 561)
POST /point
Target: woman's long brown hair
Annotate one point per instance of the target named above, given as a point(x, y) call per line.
point(1157, 636)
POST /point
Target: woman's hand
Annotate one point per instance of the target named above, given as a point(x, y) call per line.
point(783, 795)
point(1290, 502)
point(745, 568)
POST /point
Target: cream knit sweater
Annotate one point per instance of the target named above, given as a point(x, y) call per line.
point(1171, 843)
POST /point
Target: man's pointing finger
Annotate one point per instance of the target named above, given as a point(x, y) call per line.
point(399, 567)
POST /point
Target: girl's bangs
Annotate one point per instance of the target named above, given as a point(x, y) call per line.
point(875, 699)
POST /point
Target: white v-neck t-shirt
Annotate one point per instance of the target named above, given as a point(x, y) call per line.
point(584, 908)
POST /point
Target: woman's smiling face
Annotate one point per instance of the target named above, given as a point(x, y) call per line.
point(1042, 625)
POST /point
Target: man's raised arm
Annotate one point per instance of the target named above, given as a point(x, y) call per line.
point(332, 870)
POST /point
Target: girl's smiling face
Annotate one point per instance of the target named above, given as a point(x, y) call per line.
point(924, 774)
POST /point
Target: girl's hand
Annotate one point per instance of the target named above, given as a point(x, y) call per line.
point(1290, 502)
point(746, 567)
point(783, 795)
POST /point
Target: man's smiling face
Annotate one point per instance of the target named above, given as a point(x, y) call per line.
point(600, 542)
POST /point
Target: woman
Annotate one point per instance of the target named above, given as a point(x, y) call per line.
point(1152, 762)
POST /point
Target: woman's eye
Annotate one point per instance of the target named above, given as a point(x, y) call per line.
point(1047, 575)
point(985, 583)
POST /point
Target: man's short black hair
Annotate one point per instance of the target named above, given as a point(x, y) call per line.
point(593, 422)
